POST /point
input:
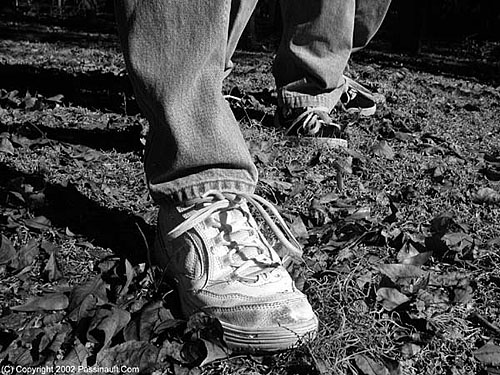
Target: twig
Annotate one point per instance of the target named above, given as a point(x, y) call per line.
point(484, 322)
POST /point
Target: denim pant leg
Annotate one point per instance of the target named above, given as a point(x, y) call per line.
point(369, 17)
point(241, 11)
point(317, 41)
point(175, 51)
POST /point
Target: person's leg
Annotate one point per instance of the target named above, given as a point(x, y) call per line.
point(317, 41)
point(241, 11)
point(200, 172)
point(369, 17)
point(313, 53)
point(176, 54)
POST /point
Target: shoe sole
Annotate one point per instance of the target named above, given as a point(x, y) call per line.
point(329, 142)
point(255, 340)
point(365, 112)
point(241, 339)
point(252, 340)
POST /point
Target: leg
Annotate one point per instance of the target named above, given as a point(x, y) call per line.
point(200, 172)
point(314, 50)
point(241, 11)
point(317, 41)
point(176, 54)
point(369, 17)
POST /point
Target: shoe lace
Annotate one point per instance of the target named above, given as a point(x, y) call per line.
point(240, 234)
point(312, 120)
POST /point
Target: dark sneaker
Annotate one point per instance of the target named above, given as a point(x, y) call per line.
point(357, 99)
point(311, 122)
point(223, 266)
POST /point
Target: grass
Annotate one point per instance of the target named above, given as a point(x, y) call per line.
point(372, 213)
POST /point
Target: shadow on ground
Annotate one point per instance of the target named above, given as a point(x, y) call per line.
point(119, 137)
point(126, 234)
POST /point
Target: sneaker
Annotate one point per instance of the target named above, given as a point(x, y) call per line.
point(357, 99)
point(313, 122)
point(223, 266)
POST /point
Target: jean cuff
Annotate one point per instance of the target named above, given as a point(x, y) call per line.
point(194, 186)
point(292, 99)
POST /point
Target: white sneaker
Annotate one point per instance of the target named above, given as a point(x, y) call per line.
point(225, 267)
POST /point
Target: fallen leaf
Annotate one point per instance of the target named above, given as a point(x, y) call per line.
point(361, 213)
point(7, 251)
point(95, 287)
point(148, 322)
point(410, 255)
point(299, 229)
point(39, 222)
point(20, 351)
point(391, 298)
point(56, 98)
point(47, 302)
point(369, 366)
point(383, 150)
point(460, 243)
point(51, 271)
point(442, 223)
point(448, 279)
point(488, 354)
point(202, 352)
point(410, 349)
point(129, 273)
point(401, 271)
point(202, 325)
point(54, 337)
point(107, 322)
point(328, 198)
point(462, 293)
point(77, 356)
point(432, 301)
point(295, 167)
point(279, 186)
point(28, 254)
point(132, 354)
point(487, 196)
point(6, 146)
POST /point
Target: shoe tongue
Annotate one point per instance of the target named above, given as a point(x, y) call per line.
point(239, 231)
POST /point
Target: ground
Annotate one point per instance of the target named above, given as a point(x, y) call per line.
point(400, 230)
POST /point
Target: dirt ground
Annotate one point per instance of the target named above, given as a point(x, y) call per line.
point(401, 230)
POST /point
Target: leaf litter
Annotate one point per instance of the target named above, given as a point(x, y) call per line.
point(399, 232)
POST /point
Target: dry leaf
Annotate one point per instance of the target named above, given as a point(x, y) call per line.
point(298, 228)
point(28, 254)
point(131, 354)
point(77, 356)
point(391, 298)
point(107, 322)
point(487, 196)
point(410, 255)
point(39, 222)
point(203, 352)
point(51, 271)
point(488, 354)
point(6, 146)
point(409, 350)
point(93, 292)
point(369, 366)
point(149, 322)
point(383, 150)
point(47, 302)
point(401, 271)
point(7, 251)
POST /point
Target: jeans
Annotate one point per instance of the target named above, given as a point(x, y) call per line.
point(177, 53)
